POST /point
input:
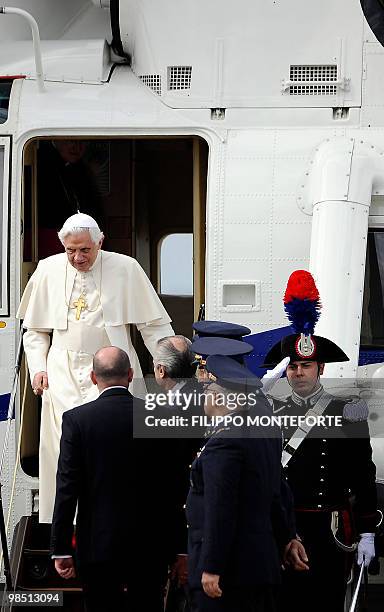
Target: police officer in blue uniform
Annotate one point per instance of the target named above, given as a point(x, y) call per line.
point(211, 337)
point(237, 524)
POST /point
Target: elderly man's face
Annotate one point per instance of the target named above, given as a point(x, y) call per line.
point(81, 250)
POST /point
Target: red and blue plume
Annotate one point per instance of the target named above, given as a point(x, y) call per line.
point(302, 302)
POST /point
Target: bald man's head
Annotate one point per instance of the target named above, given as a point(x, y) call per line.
point(111, 367)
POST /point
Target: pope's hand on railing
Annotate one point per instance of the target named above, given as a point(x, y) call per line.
point(40, 382)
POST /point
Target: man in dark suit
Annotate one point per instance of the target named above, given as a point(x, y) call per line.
point(93, 471)
point(238, 526)
point(175, 374)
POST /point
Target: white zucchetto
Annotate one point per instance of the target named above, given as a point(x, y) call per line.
point(79, 220)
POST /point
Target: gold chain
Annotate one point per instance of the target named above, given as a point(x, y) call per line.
point(81, 294)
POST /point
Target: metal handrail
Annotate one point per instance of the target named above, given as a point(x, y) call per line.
point(11, 10)
point(12, 398)
point(10, 416)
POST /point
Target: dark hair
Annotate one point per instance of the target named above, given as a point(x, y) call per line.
point(115, 367)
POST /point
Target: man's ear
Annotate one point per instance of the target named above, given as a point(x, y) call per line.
point(160, 369)
point(93, 378)
point(101, 242)
point(130, 375)
point(321, 368)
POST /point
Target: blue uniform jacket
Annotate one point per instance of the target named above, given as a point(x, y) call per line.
point(235, 514)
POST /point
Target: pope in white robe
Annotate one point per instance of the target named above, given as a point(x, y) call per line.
point(87, 299)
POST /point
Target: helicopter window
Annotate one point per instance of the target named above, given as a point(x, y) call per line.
point(176, 264)
point(5, 92)
point(372, 326)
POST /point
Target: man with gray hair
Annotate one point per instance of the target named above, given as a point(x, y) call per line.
point(173, 363)
point(175, 370)
point(87, 299)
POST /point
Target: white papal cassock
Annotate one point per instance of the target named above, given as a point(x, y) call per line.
point(117, 294)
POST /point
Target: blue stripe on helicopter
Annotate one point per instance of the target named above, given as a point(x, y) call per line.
point(4, 403)
point(370, 356)
point(264, 341)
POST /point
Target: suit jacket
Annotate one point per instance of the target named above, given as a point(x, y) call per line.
point(232, 508)
point(93, 472)
point(184, 447)
point(163, 487)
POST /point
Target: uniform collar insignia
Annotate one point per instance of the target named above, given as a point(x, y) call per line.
point(310, 400)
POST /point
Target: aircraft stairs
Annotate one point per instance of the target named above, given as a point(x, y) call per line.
point(28, 568)
point(32, 569)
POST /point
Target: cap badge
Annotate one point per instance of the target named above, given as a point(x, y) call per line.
point(305, 346)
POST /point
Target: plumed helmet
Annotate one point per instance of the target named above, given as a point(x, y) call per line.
point(302, 306)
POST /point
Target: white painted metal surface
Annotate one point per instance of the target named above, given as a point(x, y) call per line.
point(83, 61)
point(6, 10)
point(4, 208)
point(53, 16)
point(240, 55)
point(344, 173)
point(105, 4)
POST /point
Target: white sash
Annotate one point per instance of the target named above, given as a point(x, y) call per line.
point(301, 432)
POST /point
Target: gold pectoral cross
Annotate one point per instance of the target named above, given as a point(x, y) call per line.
point(80, 305)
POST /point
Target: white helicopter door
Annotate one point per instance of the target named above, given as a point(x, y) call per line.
point(5, 145)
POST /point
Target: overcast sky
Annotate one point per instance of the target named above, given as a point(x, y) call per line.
point(176, 264)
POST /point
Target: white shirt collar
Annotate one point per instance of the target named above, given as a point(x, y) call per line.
point(113, 387)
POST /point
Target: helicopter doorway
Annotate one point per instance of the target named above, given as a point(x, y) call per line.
point(148, 195)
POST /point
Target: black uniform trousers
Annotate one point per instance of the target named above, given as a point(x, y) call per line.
point(259, 599)
point(104, 587)
point(322, 587)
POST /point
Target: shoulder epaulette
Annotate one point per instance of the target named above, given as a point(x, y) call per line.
point(356, 410)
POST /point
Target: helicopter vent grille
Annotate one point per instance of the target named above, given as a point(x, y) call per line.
point(179, 77)
point(313, 80)
point(153, 81)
